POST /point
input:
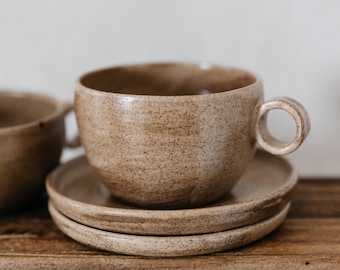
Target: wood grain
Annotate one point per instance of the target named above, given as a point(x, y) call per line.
point(308, 239)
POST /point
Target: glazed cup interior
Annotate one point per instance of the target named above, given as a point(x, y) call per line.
point(169, 79)
point(16, 110)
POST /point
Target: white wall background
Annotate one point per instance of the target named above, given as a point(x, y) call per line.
point(45, 45)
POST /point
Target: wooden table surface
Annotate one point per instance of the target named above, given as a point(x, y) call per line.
point(308, 239)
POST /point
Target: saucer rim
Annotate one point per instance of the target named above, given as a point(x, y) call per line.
point(198, 244)
point(271, 202)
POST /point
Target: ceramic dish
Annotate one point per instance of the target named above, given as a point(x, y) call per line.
point(263, 191)
point(166, 246)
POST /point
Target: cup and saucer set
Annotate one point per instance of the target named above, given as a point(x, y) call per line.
point(178, 158)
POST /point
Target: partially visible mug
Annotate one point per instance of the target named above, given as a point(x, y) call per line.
point(176, 135)
point(32, 136)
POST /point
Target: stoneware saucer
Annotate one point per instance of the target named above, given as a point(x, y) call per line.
point(263, 191)
point(166, 246)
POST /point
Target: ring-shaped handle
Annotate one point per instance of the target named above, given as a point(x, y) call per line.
point(74, 142)
point(300, 116)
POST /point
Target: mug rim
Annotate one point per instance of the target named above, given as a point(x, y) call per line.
point(57, 111)
point(257, 80)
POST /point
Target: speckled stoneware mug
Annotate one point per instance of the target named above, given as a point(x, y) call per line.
point(176, 135)
point(31, 142)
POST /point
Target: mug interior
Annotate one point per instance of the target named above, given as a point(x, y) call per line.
point(21, 109)
point(168, 79)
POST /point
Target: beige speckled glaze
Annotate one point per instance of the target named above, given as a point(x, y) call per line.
point(166, 246)
point(263, 190)
point(31, 141)
point(176, 135)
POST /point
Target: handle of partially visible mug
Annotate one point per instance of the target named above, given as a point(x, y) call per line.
point(300, 116)
point(74, 142)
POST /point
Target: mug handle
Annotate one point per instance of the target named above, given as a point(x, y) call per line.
point(300, 116)
point(74, 142)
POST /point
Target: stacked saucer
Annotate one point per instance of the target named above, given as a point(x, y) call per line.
point(86, 211)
